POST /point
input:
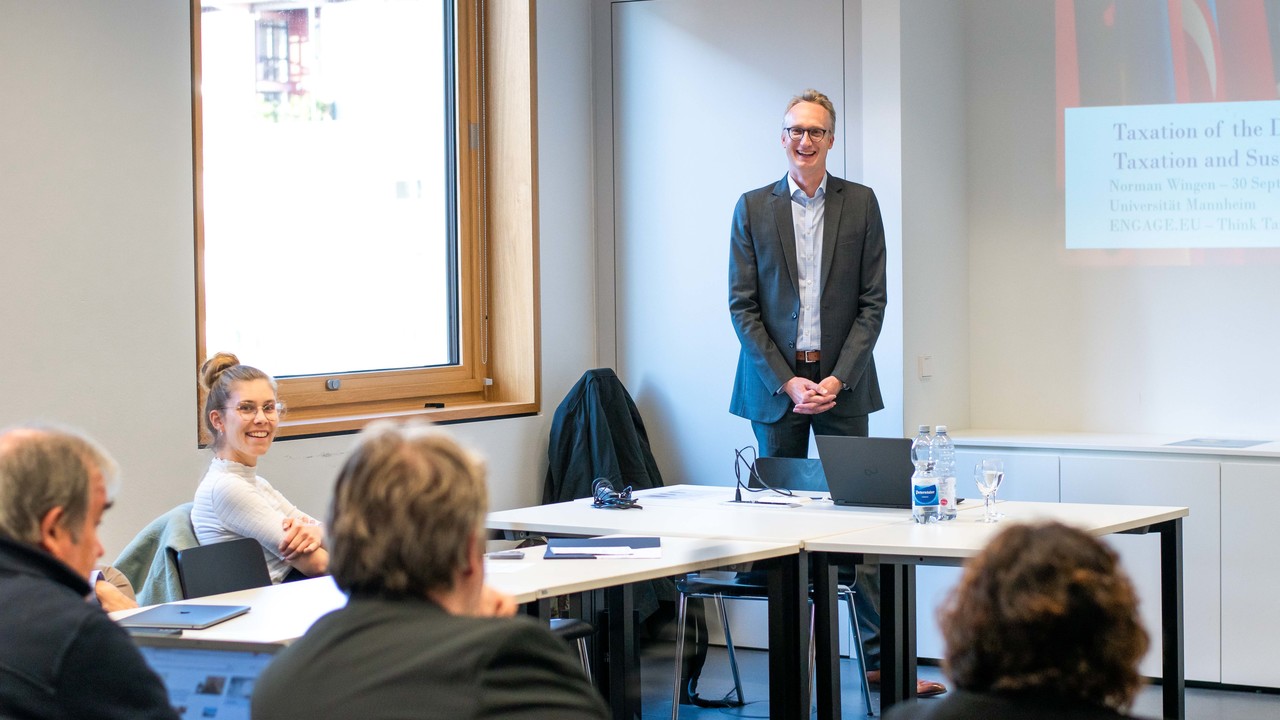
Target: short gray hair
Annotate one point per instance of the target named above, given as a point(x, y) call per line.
point(42, 468)
point(817, 97)
point(407, 505)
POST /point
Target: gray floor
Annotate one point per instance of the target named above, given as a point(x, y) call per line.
point(716, 680)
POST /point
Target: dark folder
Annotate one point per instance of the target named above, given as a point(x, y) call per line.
point(585, 545)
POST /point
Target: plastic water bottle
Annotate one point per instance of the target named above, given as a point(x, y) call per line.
point(924, 481)
point(945, 452)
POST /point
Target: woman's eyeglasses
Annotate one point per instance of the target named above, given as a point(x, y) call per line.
point(249, 411)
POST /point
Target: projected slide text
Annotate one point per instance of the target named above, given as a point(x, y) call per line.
point(1191, 175)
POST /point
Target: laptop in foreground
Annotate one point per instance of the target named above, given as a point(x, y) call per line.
point(207, 678)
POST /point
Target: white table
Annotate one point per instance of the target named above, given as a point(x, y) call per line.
point(700, 511)
point(282, 613)
point(707, 512)
point(899, 547)
point(536, 577)
point(279, 614)
point(838, 535)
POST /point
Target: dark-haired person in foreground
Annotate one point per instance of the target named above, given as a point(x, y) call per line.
point(1043, 626)
point(421, 634)
point(60, 656)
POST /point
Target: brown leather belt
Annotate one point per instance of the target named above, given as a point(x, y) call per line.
point(808, 356)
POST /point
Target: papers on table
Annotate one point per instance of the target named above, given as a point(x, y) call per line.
point(778, 499)
point(610, 547)
point(683, 492)
point(505, 568)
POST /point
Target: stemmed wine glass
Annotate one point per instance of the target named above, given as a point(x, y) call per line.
point(988, 474)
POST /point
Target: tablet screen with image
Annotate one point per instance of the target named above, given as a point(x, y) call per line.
point(206, 679)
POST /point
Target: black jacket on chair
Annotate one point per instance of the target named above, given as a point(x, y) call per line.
point(597, 433)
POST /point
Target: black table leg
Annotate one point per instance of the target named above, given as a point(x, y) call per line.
point(538, 609)
point(826, 617)
point(788, 580)
point(1172, 636)
point(624, 654)
point(897, 634)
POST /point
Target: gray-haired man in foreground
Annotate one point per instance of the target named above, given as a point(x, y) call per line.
point(61, 657)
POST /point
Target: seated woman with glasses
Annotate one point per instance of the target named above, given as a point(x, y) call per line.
point(1043, 626)
point(241, 413)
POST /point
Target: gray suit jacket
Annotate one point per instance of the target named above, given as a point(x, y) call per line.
point(387, 658)
point(764, 301)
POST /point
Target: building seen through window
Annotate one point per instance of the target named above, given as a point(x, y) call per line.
point(328, 185)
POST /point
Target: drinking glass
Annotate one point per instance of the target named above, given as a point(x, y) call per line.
point(988, 475)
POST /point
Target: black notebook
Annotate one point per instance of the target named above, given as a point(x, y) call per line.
point(578, 548)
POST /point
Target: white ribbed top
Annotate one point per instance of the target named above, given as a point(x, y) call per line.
point(234, 502)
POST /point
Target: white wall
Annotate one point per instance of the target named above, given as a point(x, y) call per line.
point(697, 98)
point(97, 297)
point(96, 286)
point(879, 36)
point(97, 302)
point(935, 251)
point(952, 106)
point(1151, 341)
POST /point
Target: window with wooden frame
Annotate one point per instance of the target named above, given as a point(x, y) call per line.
point(351, 239)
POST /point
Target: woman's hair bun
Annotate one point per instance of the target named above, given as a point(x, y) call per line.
point(215, 366)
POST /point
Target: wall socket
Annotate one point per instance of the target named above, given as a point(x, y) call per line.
point(924, 366)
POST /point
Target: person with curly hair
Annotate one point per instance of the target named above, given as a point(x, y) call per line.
point(1043, 626)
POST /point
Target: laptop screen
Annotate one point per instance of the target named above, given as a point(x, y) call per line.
point(867, 471)
point(206, 679)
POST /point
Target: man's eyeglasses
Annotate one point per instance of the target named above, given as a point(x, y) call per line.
point(249, 411)
point(815, 134)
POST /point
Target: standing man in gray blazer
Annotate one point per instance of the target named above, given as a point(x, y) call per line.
point(806, 293)
point(807, 298)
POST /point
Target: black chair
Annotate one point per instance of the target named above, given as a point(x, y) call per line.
point(576, 631)
point(222, 567)
point(799, 474)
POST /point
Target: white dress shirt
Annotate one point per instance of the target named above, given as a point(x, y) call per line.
point(808, 215)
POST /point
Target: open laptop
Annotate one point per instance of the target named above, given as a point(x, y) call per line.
point(181, 616)
point(207, 678)
point(867, 472)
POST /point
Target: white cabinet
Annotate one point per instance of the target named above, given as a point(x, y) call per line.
point(1028, 476)
point(1130, 479)
point(1250, 583)
point(1229, 582)
point(1031, 476)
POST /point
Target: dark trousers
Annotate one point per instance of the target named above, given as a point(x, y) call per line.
point(789, 437)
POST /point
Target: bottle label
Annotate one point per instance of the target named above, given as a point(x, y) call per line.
point(947, 488)
point(925, 495)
